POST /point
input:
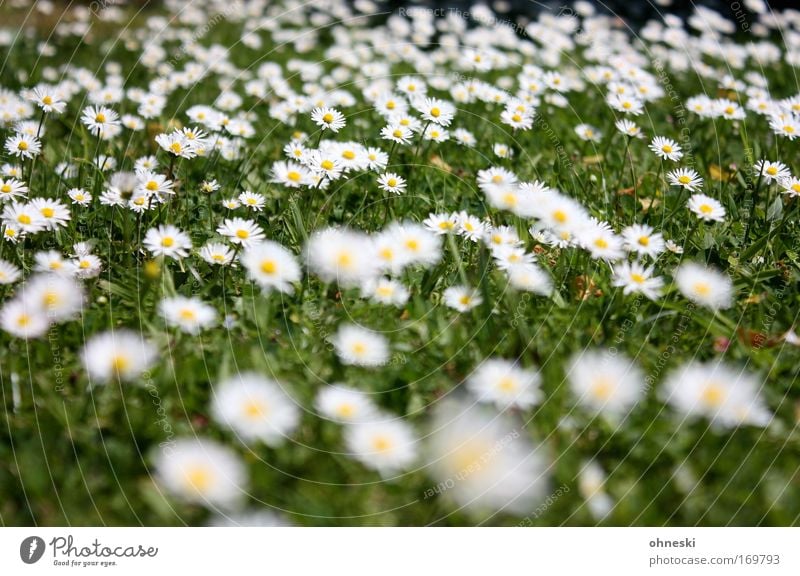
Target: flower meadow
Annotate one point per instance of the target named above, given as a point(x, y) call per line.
point(334, 263)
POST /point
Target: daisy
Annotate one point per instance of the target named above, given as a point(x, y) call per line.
point(790, 186)
point(79, 196)
point(591, 485)
point(271, 266)
point(787, 126)
point(628, 128)
point(604, 382)
point(484, 461)
point(666, 149)
point(24, 217)
point(344, 405)
point(118, 354)
point(240, 231)
point(685, 178)
point(634, 278)
point(328, 119)
point(150, 184)
point(216, 253)
point(705, 286)
point(57, 297)
point(505, 384)
point(601, 242)
point(396, 133)
point(342, 255)
point(385, 291)
point(9, 273)
point(461, 298)
point(23, 146)
point(290, 174)
point(11, 189)
point(726, 395)
point(54, 213)
point(252, 200)
point(20, 319)
point(588, 133)
point(176, 144)
point(391, 182)
point(441, 223)
point(50, 261)
point(530, 278)
point(47, 99)
point(202, 472)
point(641, 239)
point(255, 408)
point(471, 227)
point(360, 347)
point(190, 315)
point(387, 446)
point(771, 171)
point(167, 240)
point(706, 208)
point(436, 111)
point(98, 119)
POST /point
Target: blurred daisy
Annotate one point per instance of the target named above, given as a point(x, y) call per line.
point(216, 253)
point(726, 395)
point(605, 382)
point(387, 446)
point(271, 266)
point(344, 405)
point(255, 408)
point(461, 298)
point(117, 354)
point(704, 286)
point(202, 472)
point(190, 315)
point(361, 347)
point(505, 384)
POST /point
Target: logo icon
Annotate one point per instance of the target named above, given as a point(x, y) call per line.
point(32, 549)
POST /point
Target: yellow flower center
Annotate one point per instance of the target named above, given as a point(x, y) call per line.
point(47, 212)
point(326, 165)
point(100, 117)
point(684, 179)
point(702, 288)
point(435, 112)
point(560, 216)
point(268, 267)
point(327, 118)
point(667, 149)
point(242, 234)
point(706, 209)
point(382, 444)
point(22, 145)
point(713, 395)
point(167, 241)
point(638, 278)
point(198, 479)
point(348, 154)
point(644, 240)
point(47, 100)
point(293, 176)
